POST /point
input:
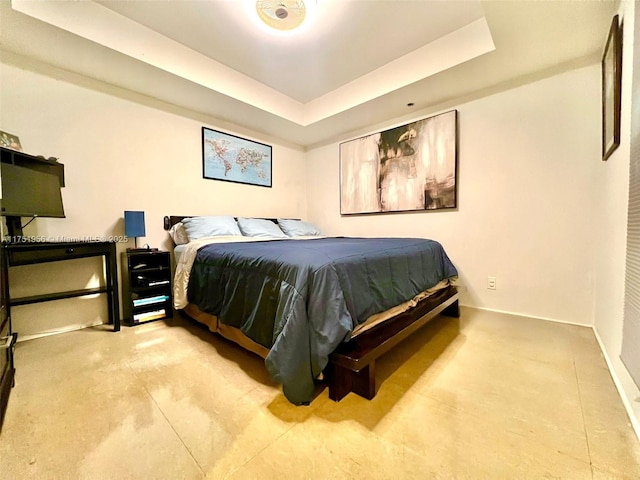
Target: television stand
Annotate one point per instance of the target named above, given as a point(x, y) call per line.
point(30, 253)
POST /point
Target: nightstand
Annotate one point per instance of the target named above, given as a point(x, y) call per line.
point(146, 292)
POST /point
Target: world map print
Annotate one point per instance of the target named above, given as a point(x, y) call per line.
point(235, 159)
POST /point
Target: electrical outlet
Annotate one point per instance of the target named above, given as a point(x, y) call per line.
point(491, 283)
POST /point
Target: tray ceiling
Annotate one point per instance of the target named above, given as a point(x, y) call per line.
point(357, 64)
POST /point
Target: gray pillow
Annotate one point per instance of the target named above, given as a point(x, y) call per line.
point(211, 226)
point(259, 227)
point(298, 228)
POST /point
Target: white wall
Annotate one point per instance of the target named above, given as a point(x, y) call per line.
point(526, 181)
point(611, 228)
point(527, 193)
point(122, 155)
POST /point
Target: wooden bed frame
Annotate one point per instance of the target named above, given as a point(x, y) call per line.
point(351, 366)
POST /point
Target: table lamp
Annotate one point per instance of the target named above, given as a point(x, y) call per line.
point(134, 226)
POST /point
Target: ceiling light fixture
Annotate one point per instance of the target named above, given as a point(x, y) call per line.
point(284, 15)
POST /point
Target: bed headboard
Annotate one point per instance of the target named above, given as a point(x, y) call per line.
point(171, 220)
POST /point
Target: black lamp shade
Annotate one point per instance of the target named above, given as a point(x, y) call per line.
point(134, 224)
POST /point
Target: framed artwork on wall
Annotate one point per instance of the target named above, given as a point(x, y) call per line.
point(407, 168)
point(234, 159)
point(9, 140)
point(611, 88)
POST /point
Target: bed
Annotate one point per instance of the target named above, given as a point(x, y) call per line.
point(311, 306)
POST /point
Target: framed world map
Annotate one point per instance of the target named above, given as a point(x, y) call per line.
point(234, 159)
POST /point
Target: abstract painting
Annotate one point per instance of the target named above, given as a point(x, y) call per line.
point(235, 159)
point(406, 168)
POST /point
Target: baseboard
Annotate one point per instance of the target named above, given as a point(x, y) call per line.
point(635, 422)
point(516, 314)
point(67, 329)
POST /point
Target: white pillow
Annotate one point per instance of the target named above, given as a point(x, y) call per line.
point(178, 234)
point(198, 227)
point(259, 227)
point(298, 228)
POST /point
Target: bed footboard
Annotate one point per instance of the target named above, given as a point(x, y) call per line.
point(352, 366)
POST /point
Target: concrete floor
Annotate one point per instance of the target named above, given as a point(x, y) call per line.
point(486, 396)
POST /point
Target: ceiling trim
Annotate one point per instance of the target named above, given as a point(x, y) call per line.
point(103, 26)
point(459, 46)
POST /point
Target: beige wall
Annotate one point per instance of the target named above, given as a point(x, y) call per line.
point(121, 154)
point(527, 191)
point(610, 218)
point(527, 176)
point(526, 179)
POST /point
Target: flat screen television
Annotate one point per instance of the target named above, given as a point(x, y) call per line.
point(29, 191)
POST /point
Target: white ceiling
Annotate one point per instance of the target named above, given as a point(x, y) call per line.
point(357, 64)
point(347, 39)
